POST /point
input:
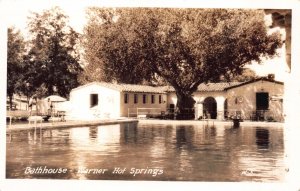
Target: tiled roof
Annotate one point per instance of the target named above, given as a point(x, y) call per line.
point(128, 87)
point(134, 88)
point(255, 80)
point(204, 87)
point(210, 87)
point(214, 87)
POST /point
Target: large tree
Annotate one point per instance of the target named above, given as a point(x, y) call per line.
point(52, 63)
point(185, 47)
point(15, 53)
point(247, 74)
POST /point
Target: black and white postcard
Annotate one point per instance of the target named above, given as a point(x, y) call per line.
point(153, 94)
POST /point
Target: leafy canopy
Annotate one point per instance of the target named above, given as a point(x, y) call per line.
point(15, 51)
point(184, 47)
point(52, 63)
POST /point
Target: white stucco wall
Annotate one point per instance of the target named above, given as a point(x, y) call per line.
point(131, 107)
point(108, 103)
point(199, 97)
point(248, 105)
point(247, 99)
point(111, 103)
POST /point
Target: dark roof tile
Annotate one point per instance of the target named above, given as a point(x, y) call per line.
point(209, 87)
point(204, 87)
point(128, 87)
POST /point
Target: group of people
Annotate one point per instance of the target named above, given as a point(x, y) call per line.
point(42, 106)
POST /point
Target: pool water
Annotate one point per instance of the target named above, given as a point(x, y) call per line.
point(137, 151)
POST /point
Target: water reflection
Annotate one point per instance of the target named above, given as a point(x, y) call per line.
point(262, 138)
point(210, 131)
point(128, 133)
point(93, 133)
point(184, 152)
point(185, 136)
point(180, 136)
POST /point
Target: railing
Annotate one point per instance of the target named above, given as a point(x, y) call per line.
point(170, 113)
point(18, 113)
point(254, 115)
point(144, 112)
point(158, 112)
point(11, 114)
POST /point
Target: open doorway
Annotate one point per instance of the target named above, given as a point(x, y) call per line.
point(210, 108)
point(262, 101)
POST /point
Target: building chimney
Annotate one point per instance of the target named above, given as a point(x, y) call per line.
point(271, 77)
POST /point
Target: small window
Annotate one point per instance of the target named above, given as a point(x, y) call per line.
point(152, 99)
point(144, 98)
point(135, 98)
point(126, 98)
point(93, 100)
point(159, 99)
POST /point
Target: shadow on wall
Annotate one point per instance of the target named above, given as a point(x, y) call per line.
point(254, 101)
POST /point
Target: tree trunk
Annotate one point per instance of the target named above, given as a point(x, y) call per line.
point(10, 101)
point(36, 106)
point(184, 106)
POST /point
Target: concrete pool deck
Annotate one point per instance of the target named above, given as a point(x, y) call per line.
point(73, 123)
point(66, 124)
point(211, 122)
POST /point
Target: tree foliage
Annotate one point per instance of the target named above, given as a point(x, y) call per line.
point(247, 74)
point(52, 63)
point(15, 51)
point(185, 47)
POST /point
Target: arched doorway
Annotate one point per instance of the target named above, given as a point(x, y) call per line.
point(210, 107)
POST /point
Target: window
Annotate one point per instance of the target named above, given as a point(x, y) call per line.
point(262, 101)
point(93, 100)
point(159, 99)
point(126, 98)
point(135, 98)
point(144, 98)
point(152, 99)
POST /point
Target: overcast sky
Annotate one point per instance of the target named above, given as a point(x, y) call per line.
point(17, 11)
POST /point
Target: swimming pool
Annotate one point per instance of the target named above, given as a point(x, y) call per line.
point(131, 151)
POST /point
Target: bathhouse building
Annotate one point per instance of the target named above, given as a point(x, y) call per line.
point(107, 100)
point(259, 99)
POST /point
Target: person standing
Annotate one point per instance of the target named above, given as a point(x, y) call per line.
point(30, 104)
point(50, 107)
